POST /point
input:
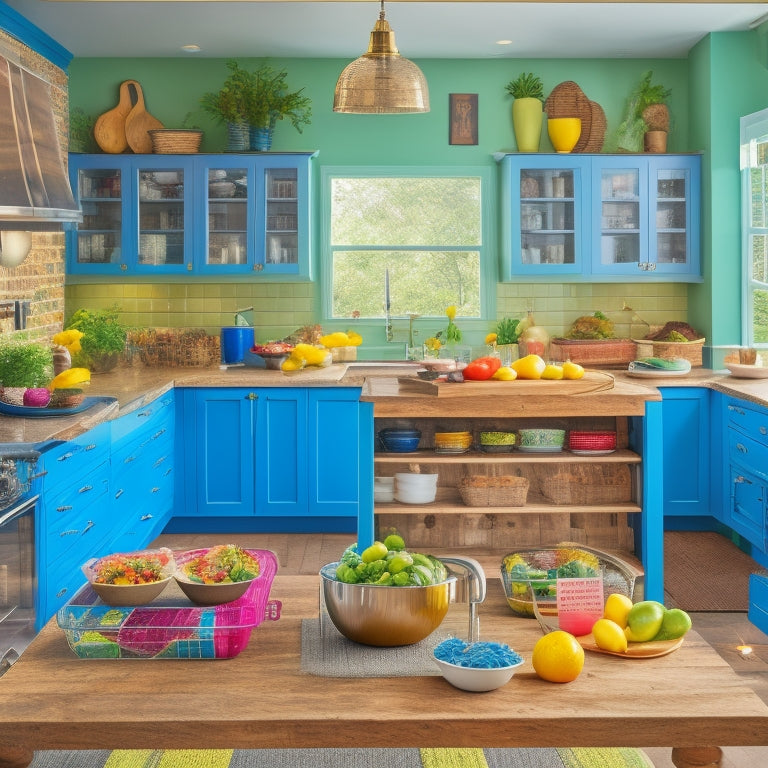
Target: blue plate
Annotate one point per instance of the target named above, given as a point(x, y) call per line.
point(27, 411)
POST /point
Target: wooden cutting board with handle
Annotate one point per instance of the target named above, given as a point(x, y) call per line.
point(109, 130)
point(139, 122)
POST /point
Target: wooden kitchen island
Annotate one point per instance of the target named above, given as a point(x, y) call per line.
point(50, 699)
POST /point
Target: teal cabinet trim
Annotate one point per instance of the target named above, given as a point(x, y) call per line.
point(686, 451)
point(601, 217)
point(205, 215)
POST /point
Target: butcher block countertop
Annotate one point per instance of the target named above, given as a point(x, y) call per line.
point(600, 393)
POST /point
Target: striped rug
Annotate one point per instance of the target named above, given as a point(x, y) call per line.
point(619, 757)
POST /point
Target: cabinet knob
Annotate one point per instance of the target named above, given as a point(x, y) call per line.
point(146, 517)
point(741, 448)
point(258, 267)
point(189, 267)
point(252, 396)
point(124, 267)
point(742, 479)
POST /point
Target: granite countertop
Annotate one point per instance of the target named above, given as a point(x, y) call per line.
point(129, 388)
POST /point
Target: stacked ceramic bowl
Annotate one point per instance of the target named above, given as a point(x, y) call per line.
point(541, 440)
point(452, 442)
point(383, 489)
point(592, 443)
point(395, 440)
point(497, 442)
point(415, 488)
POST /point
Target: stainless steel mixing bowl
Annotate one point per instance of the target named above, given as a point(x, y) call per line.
point(391, 616)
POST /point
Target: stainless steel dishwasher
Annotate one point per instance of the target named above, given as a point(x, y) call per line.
point(18, 581)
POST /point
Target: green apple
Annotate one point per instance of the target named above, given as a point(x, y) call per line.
point(644, 621)
point(675, 624)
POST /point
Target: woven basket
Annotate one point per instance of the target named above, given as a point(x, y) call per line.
point(183, 347)
point(602, 352)
point(594, 485)
point(597, 132)
point(175, 141)
point(512, 495)
point(568, 100)
point(667, 350)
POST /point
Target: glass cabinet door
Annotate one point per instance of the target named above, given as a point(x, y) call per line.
point(670, 198)
point(547, 216)
point(621, 219)
point(161, 217)
point(227, 206)
point(101, 198)
point(282, 216)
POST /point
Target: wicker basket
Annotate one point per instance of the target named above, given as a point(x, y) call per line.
point(183, 347)
point(513, 493)
point(601, 352)
point(667, 350)
point(594, 485)
point(175, 141)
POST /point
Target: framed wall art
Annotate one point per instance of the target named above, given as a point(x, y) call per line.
point(463, 118)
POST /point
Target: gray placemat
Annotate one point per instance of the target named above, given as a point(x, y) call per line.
point(325, 652)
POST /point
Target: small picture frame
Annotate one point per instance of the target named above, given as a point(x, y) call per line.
point(463, 118)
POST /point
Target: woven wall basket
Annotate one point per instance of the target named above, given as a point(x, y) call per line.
point(175, 141)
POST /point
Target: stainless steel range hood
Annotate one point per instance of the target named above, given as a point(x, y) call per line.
point(34, 189)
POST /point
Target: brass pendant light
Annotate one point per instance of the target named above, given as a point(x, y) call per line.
point(381, 80)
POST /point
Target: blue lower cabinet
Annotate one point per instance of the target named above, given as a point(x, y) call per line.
point(286, 454)
point(686, 430)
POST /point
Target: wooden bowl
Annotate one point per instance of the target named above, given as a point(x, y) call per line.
point(212, 594)
point(129, 594)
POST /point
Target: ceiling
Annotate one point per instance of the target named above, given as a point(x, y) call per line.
point(114, 28)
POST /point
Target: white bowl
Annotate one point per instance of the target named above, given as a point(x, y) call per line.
point(411, 496)
point(383, 482)
point(413, 480)
point(384, 496)
point(476, 678)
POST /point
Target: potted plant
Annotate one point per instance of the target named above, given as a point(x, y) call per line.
point(268, 100)
point(228, 105)
point(24, 364)
point(527, 90)
point(646, 113)
point(103, 340)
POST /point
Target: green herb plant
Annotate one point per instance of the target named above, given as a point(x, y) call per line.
point(526, 86)
point(25, 363)
point(269, 100)
point(103, 335)
point(228, 104)
point(506, 331)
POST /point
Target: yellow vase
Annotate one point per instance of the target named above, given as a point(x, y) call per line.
point(527, 119)
point(564, 132)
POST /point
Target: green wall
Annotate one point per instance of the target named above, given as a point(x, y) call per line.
point(173, 86)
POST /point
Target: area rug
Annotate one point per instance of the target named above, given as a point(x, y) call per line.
point(619, 757)
point(704, 571)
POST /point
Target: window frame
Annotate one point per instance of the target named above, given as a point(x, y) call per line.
point(487, 249)
point(751, 127)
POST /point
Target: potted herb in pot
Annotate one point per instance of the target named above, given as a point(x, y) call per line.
point(228, 105)
point(24, 364)
point(646, 113)
point(103, 340)
point(268, 100)
point(527, 110)
point(504, 340)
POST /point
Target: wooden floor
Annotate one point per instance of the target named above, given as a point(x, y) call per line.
point(307, 553)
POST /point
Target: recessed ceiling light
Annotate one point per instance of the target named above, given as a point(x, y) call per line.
point(503, 42)
point(192, 48)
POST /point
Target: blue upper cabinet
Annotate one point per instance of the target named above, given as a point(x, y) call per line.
point(192, 214)
point(601, 217)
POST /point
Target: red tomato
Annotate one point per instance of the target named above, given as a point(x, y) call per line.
point(481, 369)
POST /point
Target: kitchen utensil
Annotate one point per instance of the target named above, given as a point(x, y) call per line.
point(387, 616)
point(109, 129)
point(138, 123)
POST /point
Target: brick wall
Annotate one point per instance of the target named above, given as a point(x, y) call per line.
point(39, 279)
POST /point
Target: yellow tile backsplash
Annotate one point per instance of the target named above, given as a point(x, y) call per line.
point(280, 308)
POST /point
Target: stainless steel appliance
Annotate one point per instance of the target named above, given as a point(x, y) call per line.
point(18, 582)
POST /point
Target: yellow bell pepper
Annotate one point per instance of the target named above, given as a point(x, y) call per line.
point(355, 339)
point(72, 378)
point(337, 339)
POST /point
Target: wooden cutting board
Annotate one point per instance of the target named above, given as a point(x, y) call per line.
point(109, 130)
point(592, 381)
point(139, 122)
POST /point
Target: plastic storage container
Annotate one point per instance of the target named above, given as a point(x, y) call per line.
point(171, 627)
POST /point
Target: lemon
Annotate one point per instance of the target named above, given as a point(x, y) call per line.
point(505, 373)
point(529, 367)
point(490, 338)
point(552, 372)
point(572, 370)
point(609, 636)
point(617, 608)
point(558, 657)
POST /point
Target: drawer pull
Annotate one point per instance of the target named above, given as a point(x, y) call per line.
point(119, 493)
point(64, 508)
point(62, 592)
point(146, 517)
point(155, 490)
point(159, 462)
point(253, 396)
point(763, 430)
point(167, 471)
point(88, 526)
point(90, 447)
point(160, 433)
point(146, 413)
point(742, 479)
point(85, 489)
point(70, 532)
point(65, 456)
point(129, 459)
point(735, 408)
point(741, 448)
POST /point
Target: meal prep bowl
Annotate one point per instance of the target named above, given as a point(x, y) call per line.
point(388, 616)
point(212, 594)
point(476, 679)
point(130, 594)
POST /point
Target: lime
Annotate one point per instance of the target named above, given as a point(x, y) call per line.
point(377, 551)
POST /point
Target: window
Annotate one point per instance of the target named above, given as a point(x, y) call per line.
point(421, 233)
point(754, 172)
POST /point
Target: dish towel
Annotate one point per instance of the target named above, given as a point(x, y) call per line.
point(597, 757)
